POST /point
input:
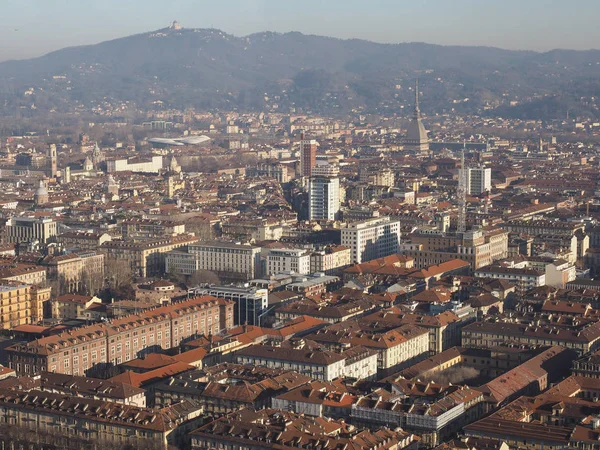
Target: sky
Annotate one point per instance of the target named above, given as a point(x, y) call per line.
point(30, 28)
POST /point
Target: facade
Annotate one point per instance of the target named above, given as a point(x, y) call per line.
point(377, 176)
point(72, 306)
point(274, 428)
point(154, 165)
point(250, 302)
point(29, 229)
point(75, 271)
point(479, 180)
point(332, 259)
point(308, 156)
point(372, 239)
point(82, 240)
point(323, 198)
point(146, 258)
point(85, 387)
point(247, 386)
point(478, 247)
point(273, 169)
point(21, 304)
point(282, 260)
point(582, 339)
point(313, 361)
point(24, 273)
point(91, 349)
point(228, 259)
point(395, 348)
point(523, 278)
point(152, 229)
point(96, 420)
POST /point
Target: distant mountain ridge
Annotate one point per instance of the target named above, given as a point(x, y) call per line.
point(207, 68)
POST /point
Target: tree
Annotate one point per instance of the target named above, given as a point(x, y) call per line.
point(91, 282)
point(203, 277)
point(118, 273)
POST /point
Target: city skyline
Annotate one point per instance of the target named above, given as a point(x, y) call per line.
point(42, 27)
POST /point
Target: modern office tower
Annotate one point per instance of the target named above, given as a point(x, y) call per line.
point(372, 239)
point(323, 198)
point(250, 302)
point(308, 156)
point(479, 180)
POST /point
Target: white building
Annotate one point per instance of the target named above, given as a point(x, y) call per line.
point(228, 258)
point(372, 239)
point(288, 260)
point(323, 198)
point(479, 180)
point(324, 169)
point(29, 229)
point(523, 278)
point(181, 263)
point(153, 165)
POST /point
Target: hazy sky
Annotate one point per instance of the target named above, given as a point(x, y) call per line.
point(34, 27)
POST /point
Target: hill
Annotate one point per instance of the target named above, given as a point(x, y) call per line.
point(207, 68)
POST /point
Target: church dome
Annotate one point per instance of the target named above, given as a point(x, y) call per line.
point(41, 195)
point(41, 190)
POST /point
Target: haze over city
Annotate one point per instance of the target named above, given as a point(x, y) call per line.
point(317, 225)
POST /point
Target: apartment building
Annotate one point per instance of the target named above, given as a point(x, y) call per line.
point(21, 304)
point(323, 198)
point(246, 387)
point(270, 169)
point(479, 180)
point(583, 338)
point(227, 259)
point(29, 229)
point(318, 364)
point(274, 428)
point(86, 387)
point(444, 328)
point(23, 273)
point(372, 239)
point(90, 349)
point(97, 420)
point(146, 258)
point(83, 241)
point(75, 269)
point(478, 247)
point(395, 348)
point(144, 228)
point(524, 278)
point(293, 260)
point(73, 306)
point(377, 176)
point(331, 260)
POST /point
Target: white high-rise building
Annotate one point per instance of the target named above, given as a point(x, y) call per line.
point(323, 198)
point(479, 180)
point(372, 239)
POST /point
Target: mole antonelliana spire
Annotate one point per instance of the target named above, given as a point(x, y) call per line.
point(416, 135)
